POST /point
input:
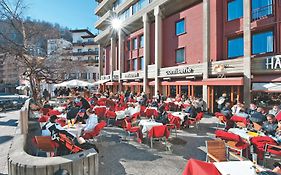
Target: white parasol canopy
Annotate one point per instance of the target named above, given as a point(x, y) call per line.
point(74, 83)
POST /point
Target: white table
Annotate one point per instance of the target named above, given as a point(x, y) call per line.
point(181, 115)
point(76, 129)
point(147, 124)
point(60, 108)
point(120, 115)
point(236, 167)
point(242, 133)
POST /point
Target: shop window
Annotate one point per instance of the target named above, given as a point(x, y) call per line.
point(141, 63)
point(261, 8)
point(180, 27)
point(84, 76)
point(180, 55)
point(79, 50)
point(129, 45)
point(173, 91)
point(94, 76)
point(141, 41)
point(184, 90)
point(128, 65)
point(235, 47)
point(135, 62)
point(135, 43)
point(262, 42)
point(234, 9)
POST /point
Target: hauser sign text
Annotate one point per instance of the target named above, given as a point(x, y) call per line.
point(184, 70)
point(273, 63)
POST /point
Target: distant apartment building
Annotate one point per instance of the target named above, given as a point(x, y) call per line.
point(58, 47)
point(86, 51)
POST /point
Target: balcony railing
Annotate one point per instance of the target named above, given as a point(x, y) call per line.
point(84, 43)
point(262, 12)
point(86, 53)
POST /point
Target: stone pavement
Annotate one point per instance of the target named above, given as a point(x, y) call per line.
point(119, 157)
point(8, 125)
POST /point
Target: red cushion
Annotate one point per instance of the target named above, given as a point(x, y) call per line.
point(54, 112)
point(159, 131)
point(239, 119)
point(197, 167)
point(227, 136)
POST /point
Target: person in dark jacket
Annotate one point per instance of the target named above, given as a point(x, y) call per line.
point(85, 103)
point(226, 111)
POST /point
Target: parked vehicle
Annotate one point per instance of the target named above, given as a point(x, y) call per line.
point(6, 104)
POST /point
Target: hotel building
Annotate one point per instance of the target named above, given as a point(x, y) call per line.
point(194, 47)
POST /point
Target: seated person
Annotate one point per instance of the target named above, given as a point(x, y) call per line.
point(252, 109)
point(270, 126)
point(81, 116)
point(226, 111)
point(154, 103)
point(91, 122)
point(55, 129)
point(275, 110)
point(72, 112)
point(278, 132)
point(242, 113)
point(258, 117)
point(85, 103)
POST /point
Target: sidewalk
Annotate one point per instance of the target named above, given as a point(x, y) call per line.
point(8, 125)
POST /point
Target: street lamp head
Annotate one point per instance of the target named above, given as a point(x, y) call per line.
point(116, 23)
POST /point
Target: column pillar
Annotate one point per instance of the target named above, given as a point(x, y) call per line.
point(120, 57)
point(158, 46)
point(112, 56)
point(247, 52)
point(146, 51)
point(101, 58)
point(206, 48)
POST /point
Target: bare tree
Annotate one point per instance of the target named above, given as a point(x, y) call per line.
point(20, 38)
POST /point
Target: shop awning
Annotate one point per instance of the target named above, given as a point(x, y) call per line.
point(267, 87)
point(134, 83)
point(111, 83)
point(224, 81)
point(101, 82)
point(196, 83)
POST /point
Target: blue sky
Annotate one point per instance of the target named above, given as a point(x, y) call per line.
point(73, 14)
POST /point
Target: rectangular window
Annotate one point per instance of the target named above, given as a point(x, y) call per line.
point(180, 55)
point(180, 27)
point(129, 45)
point(84, 76)
point(261, 8)
point(94, 76)
point(141, 63)
point(234, 9)
point(141, 41)
point(262, 42)
point(79, 50)
point(135, 43)
point(128, 65)
point(135, 61)
point(235, 47)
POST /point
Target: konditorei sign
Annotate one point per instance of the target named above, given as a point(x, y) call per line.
point(105, 77)
point(175, 71)
point(273, 63)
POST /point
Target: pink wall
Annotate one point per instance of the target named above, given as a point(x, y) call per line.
point(191, 40)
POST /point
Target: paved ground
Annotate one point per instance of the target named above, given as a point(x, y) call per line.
point(8, 124)
point(118, 157)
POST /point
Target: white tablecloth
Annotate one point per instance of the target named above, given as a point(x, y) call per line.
point(60, 108)
point(76, 129)
point(181, 115)
point(147, 124)
point(236, 167)
point(242, 133)
point(120, 115)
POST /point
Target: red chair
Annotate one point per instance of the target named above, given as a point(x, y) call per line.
point(233, 141)
point(271, 151)
point(174, 123)
point(132, 129)
point(142, 109)
point(222, 119)
point(158, 132)
point(198, 167)
point(135, 116)
point(43, 118)
point(54, 112)
point(195, 121)
point(100, 111)
point(260, 143)
point(45, 111)
point(69, 144)
point(96, 131)
point(172, 106)
point(61, 121)
point(241, 122)
point(150, 112)
point(110, 115)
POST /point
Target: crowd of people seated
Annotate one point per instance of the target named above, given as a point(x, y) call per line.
point(269, 120)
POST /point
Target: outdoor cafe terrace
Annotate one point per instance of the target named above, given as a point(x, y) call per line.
point(132, 140)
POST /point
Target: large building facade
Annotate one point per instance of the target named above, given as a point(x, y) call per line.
point(198, 48)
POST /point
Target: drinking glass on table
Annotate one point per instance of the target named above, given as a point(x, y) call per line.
point(68, 123)
point(72, 122)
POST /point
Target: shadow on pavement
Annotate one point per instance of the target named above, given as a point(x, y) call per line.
point(11, 122)
point(4, 139)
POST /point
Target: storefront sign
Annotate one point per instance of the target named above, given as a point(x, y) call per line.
point(184, 70)
point(115, 77)
point(131, 75)
point(105, 77)
point(273, 63)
